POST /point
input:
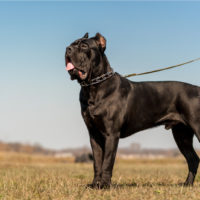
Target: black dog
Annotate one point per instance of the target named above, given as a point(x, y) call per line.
point(114, 107)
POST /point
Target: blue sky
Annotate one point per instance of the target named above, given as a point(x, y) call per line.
point(39, 103)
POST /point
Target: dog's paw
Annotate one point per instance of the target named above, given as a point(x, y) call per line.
point(104, 185)
point(185, 184)
point(99, 184)
point(95, 183)
point(188, 184)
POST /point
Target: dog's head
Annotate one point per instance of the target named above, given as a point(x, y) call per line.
point(83, 57)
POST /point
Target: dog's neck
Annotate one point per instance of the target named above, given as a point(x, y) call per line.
point(102, 68)
point(89, 94)
point(99, 72)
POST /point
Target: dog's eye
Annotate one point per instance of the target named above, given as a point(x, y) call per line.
point(83, 46)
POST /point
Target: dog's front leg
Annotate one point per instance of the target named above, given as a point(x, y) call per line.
point(97, 144)
point(111, 144)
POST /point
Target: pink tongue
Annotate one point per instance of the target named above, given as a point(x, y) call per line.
point(80, 73)
point(69, 66)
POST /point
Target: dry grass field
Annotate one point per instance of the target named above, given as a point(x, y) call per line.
point(38, 177)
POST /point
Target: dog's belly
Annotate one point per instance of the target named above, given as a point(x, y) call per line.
point(169, 120)
point(136, 125)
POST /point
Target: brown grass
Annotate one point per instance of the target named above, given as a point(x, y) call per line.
point(40, 177)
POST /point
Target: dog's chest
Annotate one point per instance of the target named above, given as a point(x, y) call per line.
point(93, 115)
point(93, 109)
point(88, 105)
point(91, 112)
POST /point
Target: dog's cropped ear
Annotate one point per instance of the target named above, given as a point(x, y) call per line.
point(86, 35)
point(101, 41)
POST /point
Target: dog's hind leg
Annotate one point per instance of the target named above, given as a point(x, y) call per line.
point(183, 136)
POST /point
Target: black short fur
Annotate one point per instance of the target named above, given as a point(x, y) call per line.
point(118, 107)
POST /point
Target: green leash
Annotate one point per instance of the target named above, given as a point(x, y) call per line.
point(162, 69)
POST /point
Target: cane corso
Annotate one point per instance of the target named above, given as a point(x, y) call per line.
point(114, 107)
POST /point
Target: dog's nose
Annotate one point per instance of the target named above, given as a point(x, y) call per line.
point(69, 50)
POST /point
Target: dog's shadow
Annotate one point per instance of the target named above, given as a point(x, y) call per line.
point(123, 185)
point(135, 185)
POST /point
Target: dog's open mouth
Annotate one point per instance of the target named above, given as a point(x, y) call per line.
point(73, 70)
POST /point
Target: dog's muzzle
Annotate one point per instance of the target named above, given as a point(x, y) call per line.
point(74, 71)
